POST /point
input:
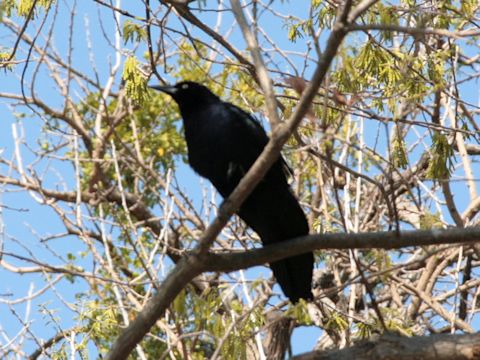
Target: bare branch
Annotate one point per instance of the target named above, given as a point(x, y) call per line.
point(434, 347)
point(260, 68)
point(379, 240)
point(416, 31)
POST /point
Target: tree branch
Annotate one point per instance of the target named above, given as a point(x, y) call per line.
point(390, 346)
point(260, 68)
point(377, 240)
point(186, 269)
point(416, 31)
point(182, 8)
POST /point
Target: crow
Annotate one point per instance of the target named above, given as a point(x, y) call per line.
point(223, 142)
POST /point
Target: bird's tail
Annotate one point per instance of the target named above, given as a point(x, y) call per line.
point(294, 275)
point(281, 218)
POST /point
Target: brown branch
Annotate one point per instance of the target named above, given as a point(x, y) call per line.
point(435, 306)
point(137, 207)
point(52, 341)
point(471, 149)
point(390, 346)
point(416, 31)
point(21, 32)
point(260, 68)
point(193, 265)
point(376, 240)
point(447, 193)
point(451, 206)
point(53, 56)
point(421, 285)
point(186, 269)
point(472, 210)
point(74, 123)
point(278, 334)
point(182, 8)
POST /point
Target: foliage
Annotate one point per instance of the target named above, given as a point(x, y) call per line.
point(5, 56)
point(441, 164)
point(133, 32)
point(104, 158)
point(24, 7)
point(135, 82)
point(399, 153)
point(6, 8)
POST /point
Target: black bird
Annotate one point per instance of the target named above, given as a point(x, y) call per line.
point(223, 143)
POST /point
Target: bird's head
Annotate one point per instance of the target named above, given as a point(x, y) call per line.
point(188, 94)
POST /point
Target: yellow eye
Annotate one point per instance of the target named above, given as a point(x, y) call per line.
point(184, 86)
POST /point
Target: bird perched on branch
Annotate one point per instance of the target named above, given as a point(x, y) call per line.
point(223, 142)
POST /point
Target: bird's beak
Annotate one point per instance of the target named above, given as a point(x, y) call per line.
point(168, 89)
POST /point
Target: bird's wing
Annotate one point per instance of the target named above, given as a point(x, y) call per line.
point(243, 117)
point(252, 132)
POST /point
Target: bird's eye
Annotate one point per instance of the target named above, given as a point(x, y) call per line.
point(184, 86)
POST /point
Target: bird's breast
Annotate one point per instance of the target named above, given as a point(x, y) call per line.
point(208, 151)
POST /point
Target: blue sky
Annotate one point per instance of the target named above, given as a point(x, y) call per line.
point(25, 222)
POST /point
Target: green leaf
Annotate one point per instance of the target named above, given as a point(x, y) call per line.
point(399, 153)
point(441, 164)
point(133, 32)
point(135, 82)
